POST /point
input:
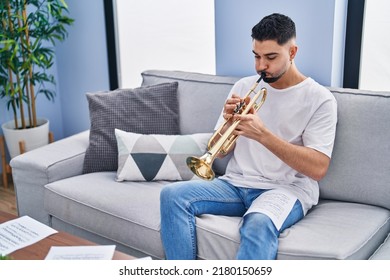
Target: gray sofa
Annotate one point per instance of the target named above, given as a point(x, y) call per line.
point(351, 221)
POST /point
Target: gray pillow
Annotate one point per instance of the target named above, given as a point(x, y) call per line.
point(145, 110)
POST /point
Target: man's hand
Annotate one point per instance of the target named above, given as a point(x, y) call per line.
point(230, 106)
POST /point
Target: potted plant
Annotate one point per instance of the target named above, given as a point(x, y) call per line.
point(29, 30)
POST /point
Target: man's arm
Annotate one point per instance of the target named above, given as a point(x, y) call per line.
point(305, 160)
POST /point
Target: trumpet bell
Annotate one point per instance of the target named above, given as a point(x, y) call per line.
point(201, 168)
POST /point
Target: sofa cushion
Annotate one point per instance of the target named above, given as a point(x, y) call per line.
point(151, 109)
point(324, 233)
point(126, 212)
point(383, 252)
point(360, 161)
point(157, 157)
point(201, 97)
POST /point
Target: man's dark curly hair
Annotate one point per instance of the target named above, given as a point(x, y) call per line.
point(274, 27)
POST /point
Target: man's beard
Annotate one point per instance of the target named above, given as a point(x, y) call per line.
point(271, 79)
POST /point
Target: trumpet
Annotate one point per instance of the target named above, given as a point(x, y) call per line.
point(220, 143)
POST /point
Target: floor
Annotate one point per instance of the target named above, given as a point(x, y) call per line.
point(8, 199)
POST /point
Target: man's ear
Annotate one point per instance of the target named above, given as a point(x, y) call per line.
point(293, 51)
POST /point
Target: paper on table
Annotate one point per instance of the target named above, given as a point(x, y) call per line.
point(103, 252)
point(21, 232)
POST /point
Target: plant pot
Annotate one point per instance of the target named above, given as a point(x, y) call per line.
point(33, 137)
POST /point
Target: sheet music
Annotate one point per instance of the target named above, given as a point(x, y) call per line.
point(275, 204)
point(101, 252)
point(21, 232)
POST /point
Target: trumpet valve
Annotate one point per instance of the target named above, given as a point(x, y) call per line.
point(239, 108)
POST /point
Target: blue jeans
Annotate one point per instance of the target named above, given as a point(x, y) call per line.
point(182, 201)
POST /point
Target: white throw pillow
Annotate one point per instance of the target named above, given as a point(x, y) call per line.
point(152, 157)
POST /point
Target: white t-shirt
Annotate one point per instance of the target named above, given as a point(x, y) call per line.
point(305, 115)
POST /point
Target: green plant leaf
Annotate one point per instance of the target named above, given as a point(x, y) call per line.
point(27, 49)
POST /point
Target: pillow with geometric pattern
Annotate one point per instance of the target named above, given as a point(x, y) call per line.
point(154, 157)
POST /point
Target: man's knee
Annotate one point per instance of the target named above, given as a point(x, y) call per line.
point(171, 189)
point(260, 221)
point(174, 192)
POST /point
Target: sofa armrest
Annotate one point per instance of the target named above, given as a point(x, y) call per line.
point(33, 170)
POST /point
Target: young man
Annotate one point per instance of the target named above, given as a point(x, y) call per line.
point(280, 154)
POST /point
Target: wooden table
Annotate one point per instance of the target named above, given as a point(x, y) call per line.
point(39, 250)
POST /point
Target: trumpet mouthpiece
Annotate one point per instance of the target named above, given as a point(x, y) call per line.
point(262, 76)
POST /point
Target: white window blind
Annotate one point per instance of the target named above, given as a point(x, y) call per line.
point(164, 35)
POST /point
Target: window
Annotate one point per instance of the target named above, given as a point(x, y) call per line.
point(375, 58)
point(164, 35)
